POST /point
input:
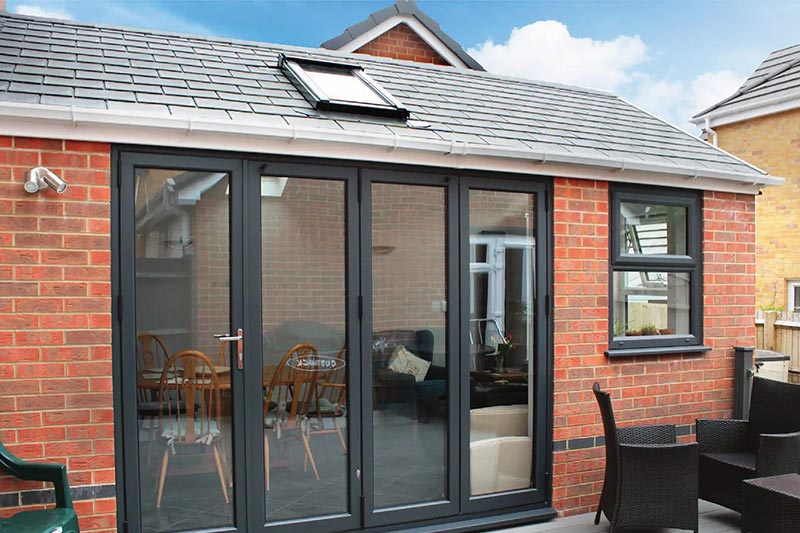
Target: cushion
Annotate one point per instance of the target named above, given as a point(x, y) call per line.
point(744, 460)
point(403, 361)
point(203, 433)
point(326, 407)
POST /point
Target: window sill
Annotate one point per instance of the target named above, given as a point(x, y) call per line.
point(663, 350)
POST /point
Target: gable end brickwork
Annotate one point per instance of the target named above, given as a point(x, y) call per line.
point(401, 42)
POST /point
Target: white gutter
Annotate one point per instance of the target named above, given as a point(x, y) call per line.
point(748, 110)
point(261, 136)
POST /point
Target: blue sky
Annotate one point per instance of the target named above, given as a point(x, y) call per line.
point(670, 57)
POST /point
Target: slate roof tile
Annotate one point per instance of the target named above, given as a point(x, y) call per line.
point(132, 71)
point(777, 75)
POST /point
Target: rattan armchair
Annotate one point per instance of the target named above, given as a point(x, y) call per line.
point(650, 479)
point(768, 444)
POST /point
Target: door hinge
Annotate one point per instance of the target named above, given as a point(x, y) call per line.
point(547, 304)
point(119, 307)
point(125, 526)
point(360, 307)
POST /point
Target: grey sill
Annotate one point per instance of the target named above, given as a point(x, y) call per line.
point(663, 350)
point(508, 520)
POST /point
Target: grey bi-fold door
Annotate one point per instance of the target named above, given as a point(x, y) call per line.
point(326, 346)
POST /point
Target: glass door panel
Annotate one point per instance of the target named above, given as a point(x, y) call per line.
point(502, 334)
point(409, 344)
point(304, 356)
point(183, 370)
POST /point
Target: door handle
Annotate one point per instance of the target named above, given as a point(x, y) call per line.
point(222, 337)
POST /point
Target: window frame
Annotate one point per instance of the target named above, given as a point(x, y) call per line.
point(691, 264)
point(292, 67)
point(791, 302)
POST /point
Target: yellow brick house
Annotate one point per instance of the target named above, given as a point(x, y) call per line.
point(760, 123)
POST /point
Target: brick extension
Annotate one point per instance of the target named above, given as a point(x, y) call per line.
point(56, 403)
point(55, 321)
point(401, 42)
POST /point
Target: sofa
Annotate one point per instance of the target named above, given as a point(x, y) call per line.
point(399, 392)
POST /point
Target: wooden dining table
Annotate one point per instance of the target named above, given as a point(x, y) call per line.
point(150, 378)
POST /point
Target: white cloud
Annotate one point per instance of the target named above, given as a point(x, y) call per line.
point(547, 51)
point(36, 11)
point(676, 101)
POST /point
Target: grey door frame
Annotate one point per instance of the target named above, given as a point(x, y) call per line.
point(541, 415)
point(450, 505)
point(253, 264)
point(124, 295)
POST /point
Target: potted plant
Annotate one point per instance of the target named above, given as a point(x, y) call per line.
point(503, 348)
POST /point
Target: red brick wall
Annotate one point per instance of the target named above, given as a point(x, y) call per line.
point(672, 389)
point(55, 318)
point(401, 42)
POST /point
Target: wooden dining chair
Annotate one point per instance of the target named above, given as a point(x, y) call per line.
point(288, 399)
point(189, 377)
point(330, 401)
point(152, 354)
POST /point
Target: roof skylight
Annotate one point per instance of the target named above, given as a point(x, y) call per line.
point(340, 87)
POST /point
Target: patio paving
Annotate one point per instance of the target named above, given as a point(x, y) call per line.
point(713, 519)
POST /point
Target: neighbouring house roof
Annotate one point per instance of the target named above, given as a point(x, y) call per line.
point(772, 87)
point(71, 80)
point(403, 11)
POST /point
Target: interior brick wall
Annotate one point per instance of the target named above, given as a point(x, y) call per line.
point(401, 42)
point(55, 321)
point(672, 389)
point(773, 144)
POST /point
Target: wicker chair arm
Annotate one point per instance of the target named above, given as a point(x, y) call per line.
point(652, 475)
point(717, 435)
point(651, 434)
point(778, 454)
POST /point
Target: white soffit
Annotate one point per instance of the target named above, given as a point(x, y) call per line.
point(424, 33)
point(101, 125)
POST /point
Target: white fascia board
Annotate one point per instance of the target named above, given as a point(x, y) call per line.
point(749, 110)
point(419, 28)
point(159, 130)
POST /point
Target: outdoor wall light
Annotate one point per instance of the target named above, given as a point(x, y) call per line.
point(39, 178)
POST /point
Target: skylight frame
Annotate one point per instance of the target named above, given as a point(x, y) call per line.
point(292, 66)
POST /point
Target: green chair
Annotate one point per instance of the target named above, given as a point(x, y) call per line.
point(62, 519)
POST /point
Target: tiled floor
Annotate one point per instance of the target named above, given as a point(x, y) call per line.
point(409, 468)
point(713, 519)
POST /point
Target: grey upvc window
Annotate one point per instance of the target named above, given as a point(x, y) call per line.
point(656, 270)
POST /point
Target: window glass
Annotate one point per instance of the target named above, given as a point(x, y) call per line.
point(651, 303)
point(304, 356)
point(342, 85)
point(409, 344)
point(647, 229)
point(502, 342)
point(183, 379)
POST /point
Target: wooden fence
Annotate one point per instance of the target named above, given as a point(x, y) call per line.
point(780, 332)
